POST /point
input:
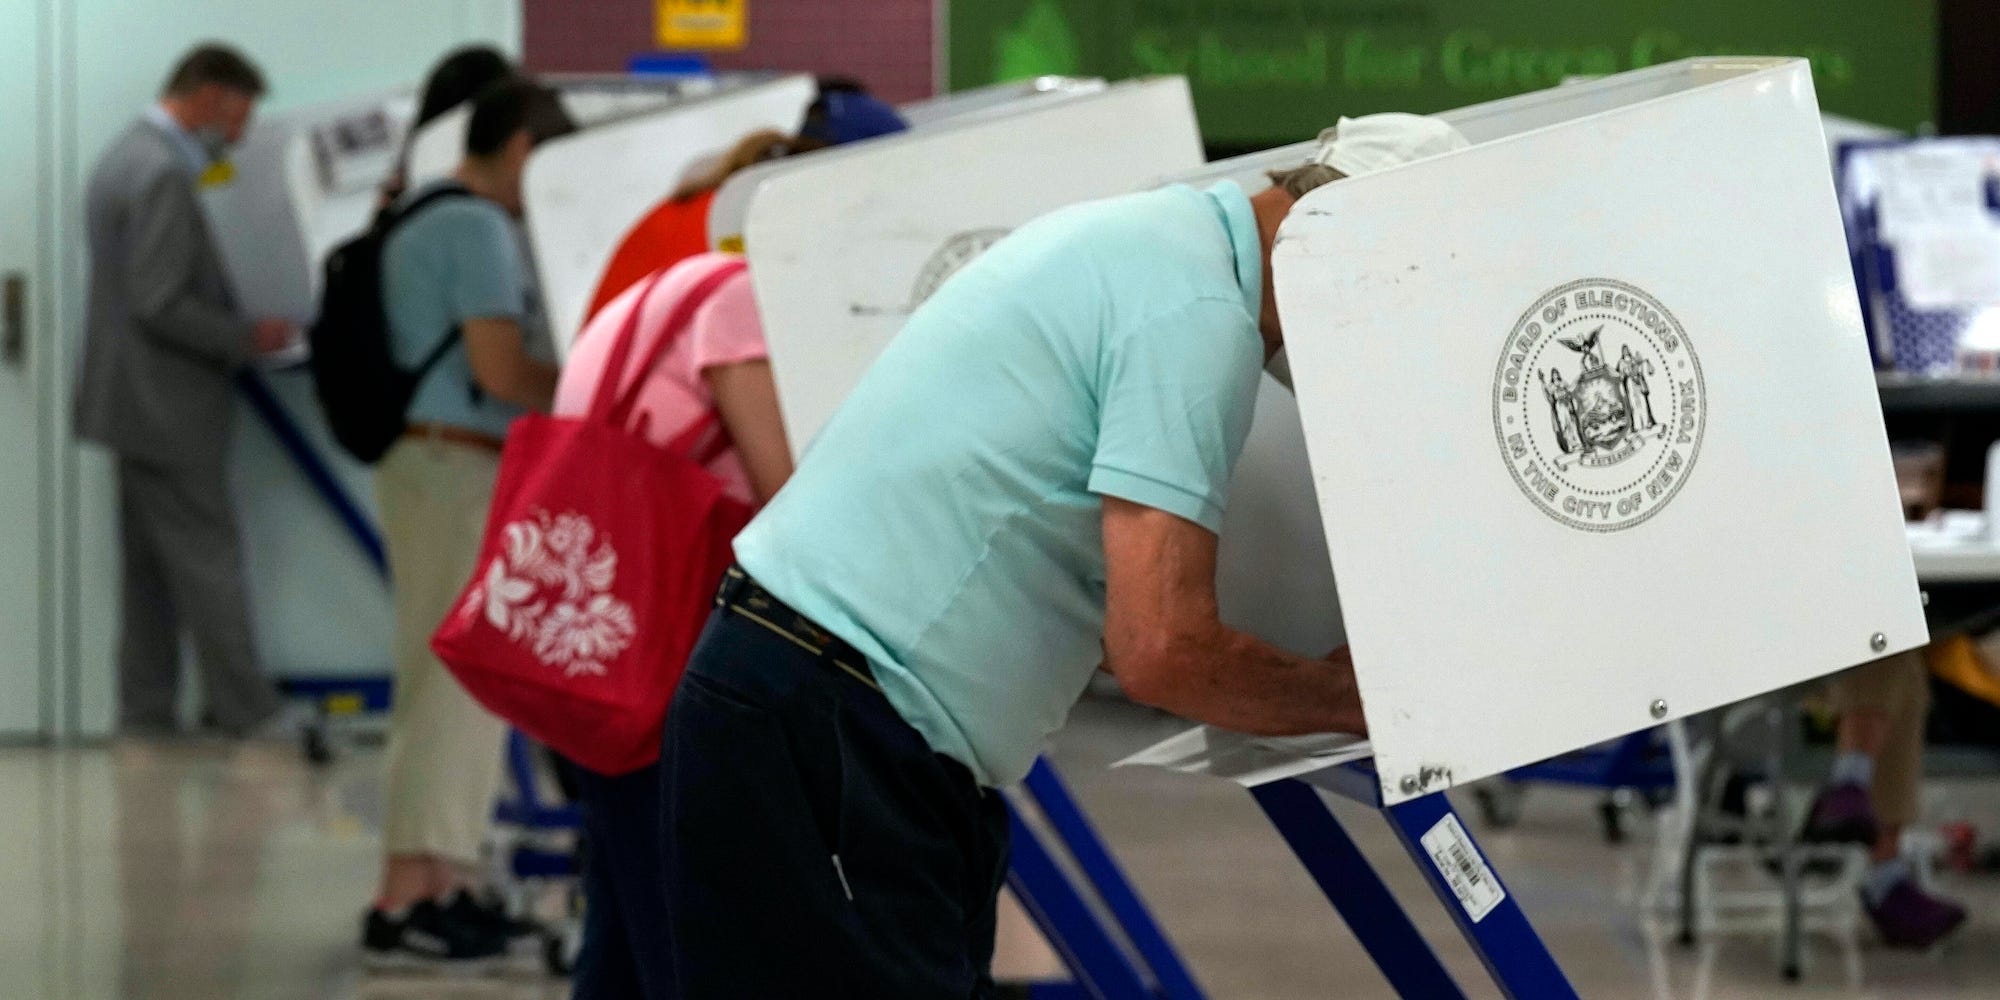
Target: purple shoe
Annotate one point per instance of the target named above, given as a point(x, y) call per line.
point(1841, 814)
point(1909, 917)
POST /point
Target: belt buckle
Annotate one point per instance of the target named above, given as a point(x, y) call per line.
point(732, 585)
point(819, 636)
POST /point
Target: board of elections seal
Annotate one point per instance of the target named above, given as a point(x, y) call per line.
point(1599, 405)
point(961, 249)
point(958, 250)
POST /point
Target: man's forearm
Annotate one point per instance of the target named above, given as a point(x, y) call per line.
point(1236, 681)
point(212, 334)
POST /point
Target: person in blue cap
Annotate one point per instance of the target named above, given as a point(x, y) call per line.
point(845, 112)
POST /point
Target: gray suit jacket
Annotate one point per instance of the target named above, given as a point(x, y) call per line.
point(162, 337)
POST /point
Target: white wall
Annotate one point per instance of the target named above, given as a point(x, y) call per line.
point(107, 59)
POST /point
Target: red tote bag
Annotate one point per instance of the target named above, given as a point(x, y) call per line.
point(599, 567)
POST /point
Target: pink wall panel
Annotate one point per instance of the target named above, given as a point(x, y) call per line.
point(886, 43)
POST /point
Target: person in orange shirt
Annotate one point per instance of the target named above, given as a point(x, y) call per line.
point(678, 227)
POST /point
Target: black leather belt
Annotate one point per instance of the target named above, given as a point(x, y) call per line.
point(743, 596)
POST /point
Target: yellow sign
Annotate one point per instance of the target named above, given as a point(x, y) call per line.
point(218, 173)
point(703, 24)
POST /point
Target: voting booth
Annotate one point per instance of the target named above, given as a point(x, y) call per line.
point(590, 99)
point(1596, 445)
point(584, 192)
point(842, 245)
point(979, 100)
point(1588, 420)
point(1545, 120)
point(728, 212)
point(304, 181)
point(846, 245)
point(1669, 488)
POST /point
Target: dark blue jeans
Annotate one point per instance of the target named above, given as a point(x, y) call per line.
point(815, 846)
point(625, 953)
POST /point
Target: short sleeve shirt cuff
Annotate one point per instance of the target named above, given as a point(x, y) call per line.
point(1146, 491)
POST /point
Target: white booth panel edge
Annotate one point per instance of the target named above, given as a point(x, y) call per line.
point(829, 312)
point(584, 192)
point(732, 202)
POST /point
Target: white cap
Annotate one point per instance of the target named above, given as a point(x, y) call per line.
point(1357, 146)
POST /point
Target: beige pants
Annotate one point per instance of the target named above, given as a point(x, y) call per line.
point(444, 756)
point(1899, 687)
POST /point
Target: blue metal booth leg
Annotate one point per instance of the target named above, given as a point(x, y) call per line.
point(1171, 978)
point(1350, 883)
point(1488, 916)
point(1126, 956)
point(1085, 945)
point(314, 468)
point(1455, 867)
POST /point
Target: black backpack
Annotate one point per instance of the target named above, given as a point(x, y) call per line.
point(363, 391)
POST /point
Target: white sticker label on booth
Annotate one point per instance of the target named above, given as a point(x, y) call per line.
point(1463, 869)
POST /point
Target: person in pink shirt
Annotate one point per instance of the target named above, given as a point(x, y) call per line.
point(719, 363)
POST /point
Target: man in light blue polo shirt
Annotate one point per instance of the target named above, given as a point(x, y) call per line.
point(1026, 485)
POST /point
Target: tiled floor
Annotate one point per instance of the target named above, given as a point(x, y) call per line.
point(198, 872)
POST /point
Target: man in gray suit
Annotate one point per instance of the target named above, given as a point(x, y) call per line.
point(163, 344)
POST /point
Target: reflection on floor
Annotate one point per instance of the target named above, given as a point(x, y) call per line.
point(199, 872)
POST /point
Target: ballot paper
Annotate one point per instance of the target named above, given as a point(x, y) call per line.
point(1250, 760)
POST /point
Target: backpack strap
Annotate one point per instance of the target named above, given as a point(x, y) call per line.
point(437, 353)
point(614, 406)
point(391, 216)
point(388, 220)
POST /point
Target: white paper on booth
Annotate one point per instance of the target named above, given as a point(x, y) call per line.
point(1949, 267)
point(1250, 760)
point(1933, 186)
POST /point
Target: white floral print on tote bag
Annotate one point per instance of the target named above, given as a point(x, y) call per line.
point(549, 589)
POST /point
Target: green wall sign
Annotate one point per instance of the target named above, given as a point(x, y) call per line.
point(1265, 72)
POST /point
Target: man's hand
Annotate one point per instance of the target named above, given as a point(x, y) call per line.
point(274, 335)
point(1342, 660)
point(1165, 644)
